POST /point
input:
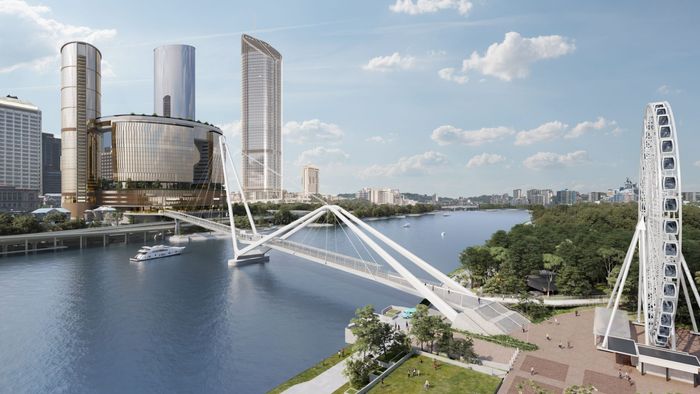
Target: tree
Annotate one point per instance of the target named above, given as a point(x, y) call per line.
point(283, 216)
point(371, 335)
point(357, 371)
point(25, 224)
point(552, 263)
point(54, 217)
point(479, 262)
point(572, 281)
point(611, 257)
point(421, 325)
point(612, 277)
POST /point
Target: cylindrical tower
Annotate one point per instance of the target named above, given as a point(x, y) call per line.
point(81, 96)
point(173, 75)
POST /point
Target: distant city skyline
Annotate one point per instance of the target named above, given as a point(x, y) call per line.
point(458, 101)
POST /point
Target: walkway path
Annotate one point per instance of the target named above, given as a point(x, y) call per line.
point(325, 383)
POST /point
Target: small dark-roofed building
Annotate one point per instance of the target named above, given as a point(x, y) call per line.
point(540, 282)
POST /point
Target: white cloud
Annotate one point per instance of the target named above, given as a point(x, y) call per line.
point(381, 139)
point(322, 155)
point(545, 160)
point(485, 159)
point(445, 135)
point(390, 63)
point(430, 6)
point(231, 130)
point(513, 57)
point(37, 37)
point(449, 74)
point(545, 132)
point(422, 163)
point(666, 90)
point(312, 131)
point(596, 125)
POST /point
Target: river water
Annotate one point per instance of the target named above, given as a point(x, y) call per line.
point(85, 321)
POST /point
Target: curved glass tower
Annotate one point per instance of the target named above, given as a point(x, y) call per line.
point(81, 96)
point(261, 125)
point(173, 77)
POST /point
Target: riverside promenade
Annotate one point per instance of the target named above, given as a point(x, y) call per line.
point(578, 362)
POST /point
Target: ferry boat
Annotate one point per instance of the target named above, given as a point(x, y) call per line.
point(155, 252)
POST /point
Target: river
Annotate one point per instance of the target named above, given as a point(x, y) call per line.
point(85, 321)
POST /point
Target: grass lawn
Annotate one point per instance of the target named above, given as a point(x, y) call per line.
point(446, 379)
point(312, 372)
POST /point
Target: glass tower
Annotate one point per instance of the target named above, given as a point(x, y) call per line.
point(173, 81)
point(81, 97)
point(261, 67)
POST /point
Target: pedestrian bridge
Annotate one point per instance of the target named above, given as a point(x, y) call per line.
point(462, 307)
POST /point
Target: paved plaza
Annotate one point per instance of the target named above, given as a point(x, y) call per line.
point(570, 357)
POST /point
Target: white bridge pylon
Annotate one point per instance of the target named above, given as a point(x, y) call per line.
point(363, 231)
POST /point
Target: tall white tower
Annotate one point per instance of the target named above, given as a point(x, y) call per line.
point(173, 81)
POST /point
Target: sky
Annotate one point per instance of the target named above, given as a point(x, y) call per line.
point(454, 97)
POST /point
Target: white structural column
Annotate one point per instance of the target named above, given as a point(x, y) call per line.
point(240, 189)
point(438, 302)
point(231, 220)
point(307, 222)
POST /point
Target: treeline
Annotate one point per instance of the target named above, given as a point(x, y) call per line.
point(283, 215)
point(26, 223)
point(582, 246)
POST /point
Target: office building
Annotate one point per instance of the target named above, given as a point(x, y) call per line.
point(309, 180)
point(691, 196)
point(173, 81)
point(50, 164)
point(20, 154)
point(596, 196)
point(363, 194)
point(566, 197)
point(517, 193)
point(261, 123)
point(136, 162)
point(81, 103)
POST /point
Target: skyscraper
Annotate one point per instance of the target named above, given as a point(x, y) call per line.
point(81, 98)
point(309, 180)
point(173, 81)
point(50, 163)
point(261, 67)
point(20, 154)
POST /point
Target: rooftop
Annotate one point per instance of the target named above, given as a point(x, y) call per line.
point(14, 102)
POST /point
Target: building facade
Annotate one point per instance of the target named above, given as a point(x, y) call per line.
point(310, 180)
point(261, 123)
point(566, 197)
point(81, 103)
point(20, 154)
point(174, 81)
point(517, 193)
point(50, 164)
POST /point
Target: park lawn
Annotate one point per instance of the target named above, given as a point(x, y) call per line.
point(312, 372)
point(446, 379)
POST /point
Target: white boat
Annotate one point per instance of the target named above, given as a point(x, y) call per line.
point(442, 234)
point(406, 225)
point(445, 214)
point(156, 252)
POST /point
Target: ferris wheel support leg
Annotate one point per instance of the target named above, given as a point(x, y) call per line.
point(640, 294)
point(692, 284)
point(621, 285)
point(645, 280)
point(628, 256)
point(687, 300)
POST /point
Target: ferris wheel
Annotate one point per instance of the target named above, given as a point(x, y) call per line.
point(663, 271)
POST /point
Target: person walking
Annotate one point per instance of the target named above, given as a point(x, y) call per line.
point(426, 385)
point(532, 371)
point(548, 337)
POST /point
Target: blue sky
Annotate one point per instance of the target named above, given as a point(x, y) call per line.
point(455, 97)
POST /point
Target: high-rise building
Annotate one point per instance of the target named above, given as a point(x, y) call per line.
point(261, 124)
point(566, 197)
point(309, 180)
point(173, 81)
point(50, 163)
point(363, 194)
point(20, 154)
point(81, 100)
point(517, 193)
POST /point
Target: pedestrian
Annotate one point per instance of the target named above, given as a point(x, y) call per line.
point(532, 371)
point(522, 328)
point(561, 345)
point(478, 300)
point(420, 360)
point(426, 385)
point(576, 313)
point(382, 382)
point(568, 344)
point(408, 374)
point(627, 376)
point(338, 353)
point(548, 337)
point(619, 373)
point(418, 372)
point(556, 321)
point(448, 291)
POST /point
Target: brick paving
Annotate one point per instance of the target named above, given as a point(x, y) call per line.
point(528, 390)
point(608, 384)
point(544, 367)
point(579, 353)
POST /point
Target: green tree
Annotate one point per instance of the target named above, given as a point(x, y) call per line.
point(551, 263)
point(54, 217)
point(357, 371)
point(573, 281)
point(479, 262)
point(283, 216)
point(25, 224)
point(611, 257)
point(368, 330)
point(421, 327)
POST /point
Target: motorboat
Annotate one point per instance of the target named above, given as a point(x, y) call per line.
point(156, 252)
point(442, 234)
point(406, 225)
point(445, 214)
